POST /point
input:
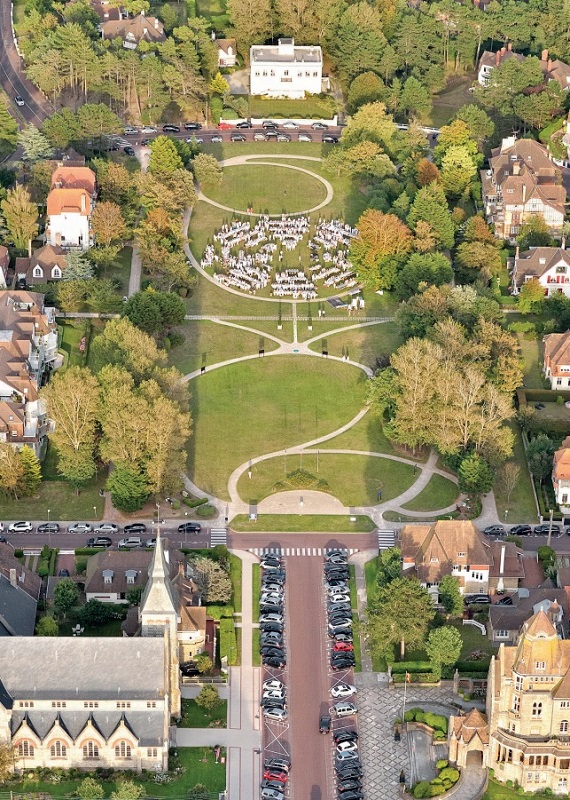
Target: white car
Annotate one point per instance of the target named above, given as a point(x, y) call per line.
point(278, 714)
point(80, 527)
point(148, 129)
point(339, 598)
point(344, 709)
point(290, 125)
point(274, 694)
point(194, 140)
point(130, 131)
point(273, 684)
point(106, 527)
point(20, 527)
point(343, 690)
point(346, 747)
point(19, 100)
point(270, 616)
point(1, 527)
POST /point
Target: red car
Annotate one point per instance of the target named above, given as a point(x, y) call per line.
point(275, 775)
point(343, 647)
point(224, 126)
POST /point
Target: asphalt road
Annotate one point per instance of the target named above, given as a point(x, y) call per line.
point(12, 76)
point(68, 541)
point(360, 541)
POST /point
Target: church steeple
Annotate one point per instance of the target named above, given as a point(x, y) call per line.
point(158, 597)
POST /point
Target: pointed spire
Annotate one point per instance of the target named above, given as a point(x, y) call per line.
point(158, 596)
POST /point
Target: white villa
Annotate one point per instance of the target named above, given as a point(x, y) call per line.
point(286, 70)
point(550, 266)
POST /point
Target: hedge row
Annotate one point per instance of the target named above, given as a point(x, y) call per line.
point(416, 677)
point(472, 666)
point(228, 641)
point(436, 721)
point(410, 666)
point(194, 503)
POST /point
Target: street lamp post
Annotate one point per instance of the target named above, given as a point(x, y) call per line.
point(94, 512)
point(49, 531)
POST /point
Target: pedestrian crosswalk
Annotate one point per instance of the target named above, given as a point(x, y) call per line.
point(300, 551)
point(386, 539)
point(218, 536)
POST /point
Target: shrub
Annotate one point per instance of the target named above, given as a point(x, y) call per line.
point(228, 641)
point(194, 503)
point(436, 721)
point(449, 774)
point(206, 511)
point(18, 553)
point(80, 565)
point(422, 789)
point(176, 339)
point(439, 735)
point(301, 479)
point(434, 791)
point(441, 764)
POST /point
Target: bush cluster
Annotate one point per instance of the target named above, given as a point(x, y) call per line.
point(436, 721)
point(416, 677)
point(447, 777)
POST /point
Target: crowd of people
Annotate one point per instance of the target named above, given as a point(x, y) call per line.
point(246, 255)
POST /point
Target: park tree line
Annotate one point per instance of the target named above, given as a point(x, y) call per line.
point(130, 410)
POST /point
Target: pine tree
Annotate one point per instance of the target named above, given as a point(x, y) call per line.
point(77, 267)
point(128, 487)
point(164, 157)
point(35, 144)
point(8, 130)
point(31, 472)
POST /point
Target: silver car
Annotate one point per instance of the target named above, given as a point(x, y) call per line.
point(106, 527)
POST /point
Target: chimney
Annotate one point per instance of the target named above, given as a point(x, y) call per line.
point(544, 56)
point(83, 203)
point(524, 193)
point(516, 168)
point(502, 567)
point(517, 253)
point(563, 242)
point(497, 58)
point(549, 65)
point(510, 46)
point(503, 50)
point(13, 578)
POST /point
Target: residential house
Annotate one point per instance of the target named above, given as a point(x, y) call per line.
point(134, 30)
point(27, 580)
point(227, 52)
point(550, 266)
point(70, 206)
point(555, 70)
point(105, 11)
point(446, 547)
point(561, 475)
point(4, 264)
point(490, 61)
point(522, 182)
point(90, 703)
point(528, 709)
point(46, 265)
point(19, 594)
point(507, 568)
point(111, 574)
point(556, 365)
point(286, 69)
point(505, 622)
point(28, 350)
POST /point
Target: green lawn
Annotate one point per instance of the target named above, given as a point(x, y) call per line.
point(532, 351)
point(356, 642)
point(368, 435)
point(62, 500)
point(354, 480)
point(120, 271)
point(499, 791)
point(235, 575)
point(279, 402)
point(71, 334)
point(283, 190)
point(439, 493)
point(255, 642)
point(296, 523)
point(255, 591)
point(198, 766)
point(207, 343)
point(522, 507)
point(473, 640)
point(112, 628)
point(352, 584)
point(365, 345)
point(371, 576)
point(194, 716)
point(312, 107)
point(448, 102)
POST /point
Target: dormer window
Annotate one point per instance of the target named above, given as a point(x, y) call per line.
point(434, 560)
point(540, 665)
point(131, 575)
point(108, 575)
point(56, 272)
point(38, 272)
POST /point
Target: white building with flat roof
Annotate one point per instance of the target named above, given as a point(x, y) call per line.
point(286, 70)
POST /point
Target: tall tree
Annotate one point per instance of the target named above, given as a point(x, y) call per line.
point(11, 470)
point(450, 595)
point(207, 170)
point(121, 343)
point(251, 21)
point(443, 647)
point(34, 143)
point(415, 99)
point(359, 43)
point(373, 124)
point(431, 207)
point(31, 471)
point(540, 456)
point(8, 129)
point(21, 217)
point(77, 267)
point(155, 312)
point(164, 158)
point(108, 224)
point(382, 238)
point(401, 615)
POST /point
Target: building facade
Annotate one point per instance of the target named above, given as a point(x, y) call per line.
point(561, 475)
point(286, 69)
point(556, 365)
point(528, 709)
point(70, 205)
point(521, 183)
point(550, 266)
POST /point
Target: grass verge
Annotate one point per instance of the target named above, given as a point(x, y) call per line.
point(325, 523)
point(356, 642)
point(194, 716)
point(235, 575)
point(255, 591)
point(255, 654)
point(438, 493)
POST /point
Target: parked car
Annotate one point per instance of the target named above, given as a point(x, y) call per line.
point(304, 137)
point(80, 527)
point(194, 140)
point(189, 527)
point(477, 599)
point(244, 124)
point(130, 541)
point(336, 557)
point(189, 669)
point(283, 137)
point(344, 709)
point(325, 723)
point(130, 131)
point(290, 125)
point(541, 530)
point(217, 139)
point(128, 150)
point(63, 573)
point(259, 137)
point(345, 735)
point(192, 126)
point(238, 137)
point(328, 139)
point(106, 527)
point(347, 747)
point(282, 776)
point(274, 662)
point(268, 124)
point(3, 540)
point(148, 129)
point(277, 763)
point(271, 794)
point(150, 542)
point(521, 530)
point(494, 530)
point(319, 126)
point(135, 527)
point(343, 647)
point(48, 527)
point(505, 601)
point(20, 527)
point(171, 128)
point(99, 541)
point(279, 714)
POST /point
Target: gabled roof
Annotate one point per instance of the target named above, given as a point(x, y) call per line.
point(513, 564)
point(74, 178)
point(511, 618)
point(49, 256)
point(135, 28)
point(557, 349)
point(17, 610)
point(29, 581)
point(68, 201)
point(158, 596)
point(539, 260)
point(561, 469)
point(436, 548)
point(492, 59)
point(226, 44)
point(473, 724)
point(117, 563)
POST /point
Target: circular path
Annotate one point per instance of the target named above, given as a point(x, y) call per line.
point(255, 161)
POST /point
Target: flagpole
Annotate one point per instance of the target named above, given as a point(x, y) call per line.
point(405, 688)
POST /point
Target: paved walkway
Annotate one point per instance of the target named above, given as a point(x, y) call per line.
point(136, 270)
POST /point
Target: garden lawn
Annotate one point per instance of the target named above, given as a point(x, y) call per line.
point(439, 493)
point(353, 479)
point(71, 334)
point(283, 190)
point(235, 575)
point(368, 435)
point(473, 640)
point(119, 271)
point(371, 578)
point(448, 102)
point(265, 405)
point(194, 716)
point(255, 644)
point(111, 628)
point(255, 591)
point(356, 642)
point(62, 500)
point(522, 507)
point(532, 351)
point(198, 767)
point(207, 343)
point(297, 523)
point(311, 107)
point(500, 791)
point(365, 345)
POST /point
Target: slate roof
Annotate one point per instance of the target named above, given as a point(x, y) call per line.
point(146, 725)
point(513, 564)
point(29, 581)
point(135, 29)
point(88, 668)
point(435, 548)
point(492, 59)
point(119, 562)
point(536, 262)
point(17, 610)
point(512, 618)
point(473, 724)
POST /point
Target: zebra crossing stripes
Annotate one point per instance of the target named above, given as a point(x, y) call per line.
point(218, 536)
point(299, 551)
point(386, 539)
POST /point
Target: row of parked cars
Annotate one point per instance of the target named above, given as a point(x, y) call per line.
point(275, 778)
point(106, 528)
point(339, 610)
point(527, 530)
